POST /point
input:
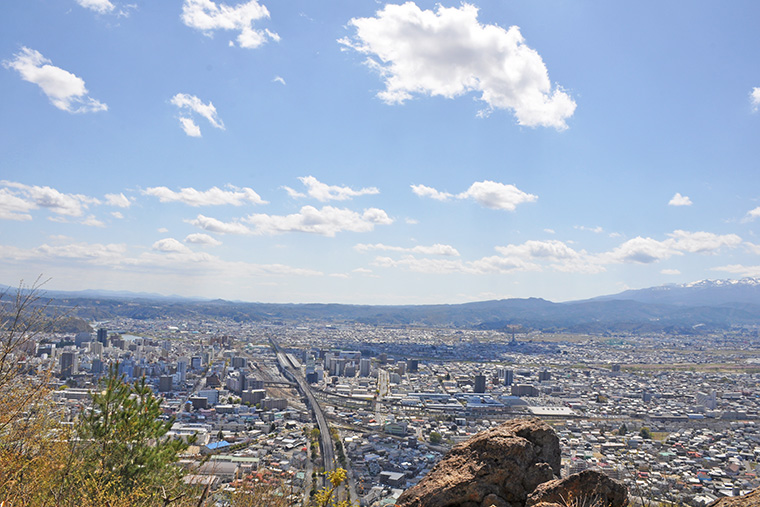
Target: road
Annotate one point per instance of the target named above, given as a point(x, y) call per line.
point(328, 450)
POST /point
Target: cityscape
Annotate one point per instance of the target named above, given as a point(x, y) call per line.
point(676, 417)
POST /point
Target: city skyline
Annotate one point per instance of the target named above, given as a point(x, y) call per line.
point(379, 153)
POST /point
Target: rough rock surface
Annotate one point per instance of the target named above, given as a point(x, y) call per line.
point(589, 488)
point(500, 467)
point(749, 500)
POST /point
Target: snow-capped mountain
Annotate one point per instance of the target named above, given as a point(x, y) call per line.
point(702, 292)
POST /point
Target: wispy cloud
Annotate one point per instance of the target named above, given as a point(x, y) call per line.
point(326, 221)
point(99, 6)
point(191, 103)
point(324, 192)
point(448, 53)
point(436, 249)
point(65, 90)
point(17, 198)
point(754, 98)
point(212, 197)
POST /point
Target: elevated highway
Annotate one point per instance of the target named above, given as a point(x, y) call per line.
point(291, 370)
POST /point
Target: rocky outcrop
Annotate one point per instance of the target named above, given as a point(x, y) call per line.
point(516, 464)
point(500, 467)
point(589, 488)
point(749, 500)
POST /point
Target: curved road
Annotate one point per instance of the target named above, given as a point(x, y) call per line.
point(328, 450)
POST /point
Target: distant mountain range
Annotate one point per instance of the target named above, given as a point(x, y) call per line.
point(693, 308)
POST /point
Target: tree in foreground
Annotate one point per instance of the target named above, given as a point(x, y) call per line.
point(124, 447)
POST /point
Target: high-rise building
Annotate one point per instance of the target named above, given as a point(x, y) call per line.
point(182, 370)
point(364, 367)
point(544, 375)
point(401, 368)
point(68, 364)
point(480, 384)
point(103, 335)
point(165, 383)
point(509, 377)
point(413, 365)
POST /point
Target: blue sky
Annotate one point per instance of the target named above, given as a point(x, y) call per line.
point(370, 152)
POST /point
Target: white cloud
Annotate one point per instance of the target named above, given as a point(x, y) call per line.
point(118, 200)
point(207, 16)
point(324, 192)
point(117, 214)
point(449, 53)
point(72, 205)
point(679, 200)
point(192, 103)
point(92, 222)
point(162, 230)
point(425, 191)
point(326, 221)
point(754, 98)
point(278, 79)
point(752, 214)
point(189, 127)
point(202, 239)
point(99, 6)
point(214, 225)
point(739, 269)
point(489, 194)
point(211, 197)
point(436, 249)
point(95, 253)
point(549, 231)
point(648, 250)
point(13, 207)
point(497, 195)
point(411, 221)
point(65, 90)
point(703, 242)
point(670, 272)
point(596, 230)
point(170, 245)
point(555, 255)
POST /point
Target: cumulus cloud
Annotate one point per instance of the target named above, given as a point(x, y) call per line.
point(99, 6)
point(754, 98)
point(489, 194)
point(211, 197)
point(193, 104)
point(202, 239)
point(679, 200)
point(65, 90)
point(208, 16)
point(448, 53)
point(118, 200)
point(436, 249)
point(326, 221)
point(33, 197)
point(497, 195)
point(170, 245)
point(213, 225)
point(324, 192)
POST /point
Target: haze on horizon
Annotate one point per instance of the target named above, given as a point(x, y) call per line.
point(381, 153)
